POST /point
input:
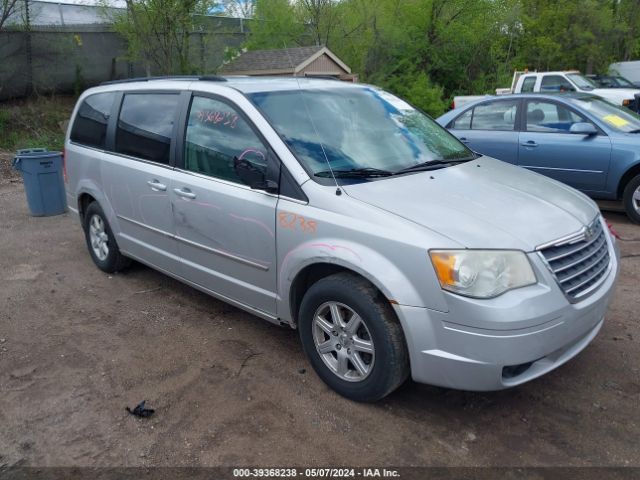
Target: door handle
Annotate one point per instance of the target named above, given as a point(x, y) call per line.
point(530, 143)
point(184, 193)
point(156, 185)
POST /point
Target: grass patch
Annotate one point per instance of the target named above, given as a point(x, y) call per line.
point(35, 122)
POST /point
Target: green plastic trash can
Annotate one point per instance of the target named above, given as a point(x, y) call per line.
point(42, 173)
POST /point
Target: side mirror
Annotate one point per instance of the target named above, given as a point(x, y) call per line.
point(583, 128)
point(252, 172)
point(268, 186)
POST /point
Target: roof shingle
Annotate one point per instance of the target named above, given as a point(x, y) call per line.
point(268, 60)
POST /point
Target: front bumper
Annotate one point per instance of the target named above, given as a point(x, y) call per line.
point(499, 343)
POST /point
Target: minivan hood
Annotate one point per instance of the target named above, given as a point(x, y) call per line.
point(484, 203)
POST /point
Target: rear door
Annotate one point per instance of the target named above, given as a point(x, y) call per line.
point(225, 229)
point(547, 147)
point(490, 129)
point(137, 175)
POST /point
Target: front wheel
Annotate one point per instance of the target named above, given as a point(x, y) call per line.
point(353, 338)
point(631, 199)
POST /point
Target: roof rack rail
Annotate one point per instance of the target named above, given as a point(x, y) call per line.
point(212, 78)
point(321, 77)
point(205, 78)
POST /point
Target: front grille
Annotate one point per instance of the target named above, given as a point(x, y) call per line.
point(579, 264)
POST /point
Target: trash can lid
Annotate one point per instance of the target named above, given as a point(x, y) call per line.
point(28, 151)
point(36, 153)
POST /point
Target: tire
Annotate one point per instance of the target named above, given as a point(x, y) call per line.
point(631, 199)
point(380, 372)
point(107, 258)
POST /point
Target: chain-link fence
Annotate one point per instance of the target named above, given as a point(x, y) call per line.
point(69, 59)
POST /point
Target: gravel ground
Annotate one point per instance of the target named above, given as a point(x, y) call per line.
point(7, 173)
point(77, 346)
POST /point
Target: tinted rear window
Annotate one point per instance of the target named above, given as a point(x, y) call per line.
point(527, 84)
point(90, 124)
point(146, 124)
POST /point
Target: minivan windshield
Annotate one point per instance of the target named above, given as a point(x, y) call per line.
point(615, 117)
point(357, 130)
point(581, 81)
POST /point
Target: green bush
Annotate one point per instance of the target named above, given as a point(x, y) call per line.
point(417, 89)
point(34, 122)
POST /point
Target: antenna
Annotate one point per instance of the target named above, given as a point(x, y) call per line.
point(304, 101)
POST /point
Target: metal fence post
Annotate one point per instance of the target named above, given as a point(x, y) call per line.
point(28, 50)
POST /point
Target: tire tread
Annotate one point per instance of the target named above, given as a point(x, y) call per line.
point(397, 366)
point(115, 262)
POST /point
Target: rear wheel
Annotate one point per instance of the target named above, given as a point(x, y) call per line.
point(352, 337)
point(101, 241)
point(631, 199)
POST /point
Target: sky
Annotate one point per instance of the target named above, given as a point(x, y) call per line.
point(115, 3)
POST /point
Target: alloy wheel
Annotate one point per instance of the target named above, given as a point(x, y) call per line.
point(343, 341)
point(99, 238)
point(635, 199)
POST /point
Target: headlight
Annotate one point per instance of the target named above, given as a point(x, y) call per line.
point(482, 273)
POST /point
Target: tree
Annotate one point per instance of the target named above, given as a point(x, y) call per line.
point(157, 32)
point(561, 35)
point(320, 16)
point(274, 25)
point(7, 9)
point(430, 50)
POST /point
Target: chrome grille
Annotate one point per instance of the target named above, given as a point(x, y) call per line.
point(581, 263)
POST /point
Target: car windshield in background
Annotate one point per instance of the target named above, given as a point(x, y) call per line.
point(622, 82)
point(618, 118)
point(581, 81)
point(358, 130)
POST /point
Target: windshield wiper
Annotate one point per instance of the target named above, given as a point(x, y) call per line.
point(367, 172)
point(636, 130)
point(432, 165)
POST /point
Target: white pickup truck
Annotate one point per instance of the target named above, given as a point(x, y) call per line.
point(562, 81)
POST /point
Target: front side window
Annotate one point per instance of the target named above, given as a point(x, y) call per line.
point(221, 144)
point(555, 83)
point(499, 115)
point(463, 122)
point(527, 84)
point(550, 117)
point(348, 128)
point(90, 125)
point(145, 126)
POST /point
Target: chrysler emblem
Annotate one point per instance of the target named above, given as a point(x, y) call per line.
point(588, 233)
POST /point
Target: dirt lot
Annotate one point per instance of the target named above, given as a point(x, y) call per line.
point(77, 346)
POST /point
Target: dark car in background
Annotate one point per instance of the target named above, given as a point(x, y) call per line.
point(576, 138)
point(612, 81)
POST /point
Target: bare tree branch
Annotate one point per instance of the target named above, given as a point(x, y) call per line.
point(7, 8)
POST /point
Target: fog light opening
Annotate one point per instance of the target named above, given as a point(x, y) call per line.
point(512, 371)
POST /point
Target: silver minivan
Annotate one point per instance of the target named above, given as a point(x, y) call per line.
point(342, 211)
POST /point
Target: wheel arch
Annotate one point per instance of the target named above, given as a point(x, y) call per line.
point(84, 199)
point(313, 272)
point(89, 191)
point(630, 174)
